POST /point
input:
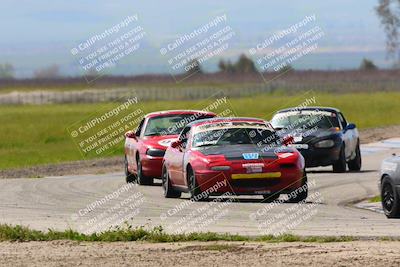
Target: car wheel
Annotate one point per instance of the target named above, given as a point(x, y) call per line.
point(390, 199)
point(340, 164)
point(169, 191)
point(355, 164)
point(194, 189)
point(301, 193)
point(270, 197)
point(129, 177)
point(141, 178)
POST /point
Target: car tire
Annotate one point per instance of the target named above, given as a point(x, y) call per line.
point(355, 164)
point(129, 177)
point(390, 199)
point(340, 165)
point(141, 178)
point(194, 189)
point(169, 191)
point(270, 197)
point(301, 195)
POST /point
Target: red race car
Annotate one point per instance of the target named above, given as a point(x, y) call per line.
point(145, 147)
point(241, 156)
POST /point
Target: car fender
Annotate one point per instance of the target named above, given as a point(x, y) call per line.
point(353, 141)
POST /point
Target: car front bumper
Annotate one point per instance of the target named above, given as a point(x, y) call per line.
point(250, 184)
point(315, 157)
point(152, 166)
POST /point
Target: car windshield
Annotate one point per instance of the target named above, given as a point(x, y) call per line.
point(171, 124)
point(235, 136)
point(305, 120)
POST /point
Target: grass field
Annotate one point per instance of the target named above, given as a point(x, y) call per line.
point(32, 135)
point(156, 235)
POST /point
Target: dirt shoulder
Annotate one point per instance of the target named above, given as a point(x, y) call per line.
point(69, 253)
point(94, 166)
point(377, 134)
point(115, 164)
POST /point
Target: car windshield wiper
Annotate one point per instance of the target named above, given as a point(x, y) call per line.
point(278, 128)
point(152, 134)
point(209, 144)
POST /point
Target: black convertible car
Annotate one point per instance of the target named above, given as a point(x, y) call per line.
point(322, 135)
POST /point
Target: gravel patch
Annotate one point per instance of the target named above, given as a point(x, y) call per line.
point(69, 253)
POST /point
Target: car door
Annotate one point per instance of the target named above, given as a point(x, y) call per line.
point(176, 166)
point(348, 136)
point(133, 146)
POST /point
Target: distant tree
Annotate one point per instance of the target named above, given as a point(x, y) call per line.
point(245, 65)
point(230, 68)
point(52, 71)
point(227, 66)
point(6, 71)
point(367, 64)
point(222, 66)
point(193, 67)
point(389, 14)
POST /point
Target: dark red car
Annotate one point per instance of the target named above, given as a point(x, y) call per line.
point(243, 156)
point(145, 147)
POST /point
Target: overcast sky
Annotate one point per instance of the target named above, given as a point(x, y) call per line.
point(38, 33)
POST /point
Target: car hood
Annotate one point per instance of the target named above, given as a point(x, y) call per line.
point(161, 142)
point(301, 135)
point(235, 152)
point(391, 167)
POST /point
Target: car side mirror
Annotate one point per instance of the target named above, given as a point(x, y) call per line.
point(130, 134)
point(288, 140)
point(176, 144)
point(350, 126)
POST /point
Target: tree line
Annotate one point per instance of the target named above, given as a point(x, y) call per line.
point(244, 65)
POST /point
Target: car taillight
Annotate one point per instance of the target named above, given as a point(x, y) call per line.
point(291, 158)
point(285, 155)
point(218, 163)
point(214, 159)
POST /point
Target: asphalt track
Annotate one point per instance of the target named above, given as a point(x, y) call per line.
point(90, 203)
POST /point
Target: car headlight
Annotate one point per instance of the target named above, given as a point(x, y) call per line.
point(325, 144)
point(154, 152)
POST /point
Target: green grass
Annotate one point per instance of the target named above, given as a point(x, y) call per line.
point(21, 233)
point(375, 199)
point(32, 135)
